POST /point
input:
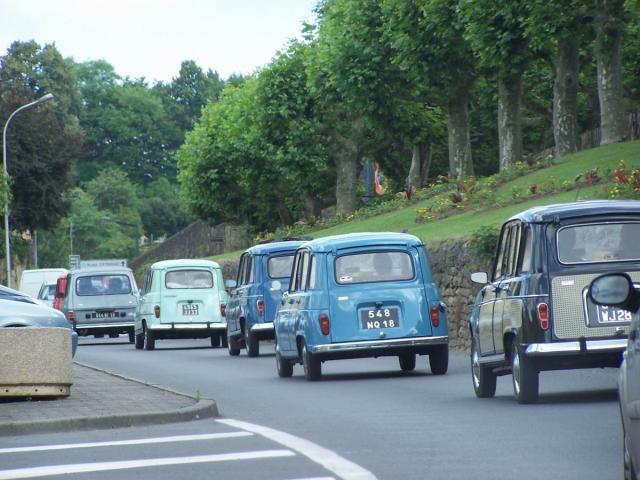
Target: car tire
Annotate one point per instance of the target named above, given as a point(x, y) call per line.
point(215, 340)
point(407, 361)
point(312, 366)
point(251, 343)
point(149, 339)
point(524, 376)
point(139, 341)
point(439, 359)
point(224, 341)
point(483, 378)
point(232, 346)
point(132, 337)
point(284, 366)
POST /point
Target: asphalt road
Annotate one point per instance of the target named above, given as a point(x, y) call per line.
point(395, 424)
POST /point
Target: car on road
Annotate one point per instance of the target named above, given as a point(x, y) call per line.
point(361, 295)
point(616, 292)
point(31, 281)
point(181, 299)
point(99, 301)
point(20, 310)
point(263, 275)
point(533, 313)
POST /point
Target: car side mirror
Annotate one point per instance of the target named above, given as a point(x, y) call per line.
point(480, 277)
point(613, 289)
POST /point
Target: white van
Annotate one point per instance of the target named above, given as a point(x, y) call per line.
point(32, 280)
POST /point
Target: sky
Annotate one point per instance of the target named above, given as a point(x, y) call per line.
point(150, 38)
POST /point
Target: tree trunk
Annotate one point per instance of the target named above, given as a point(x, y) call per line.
point(460, 163)
point(415, 177)
point(565, 97)
point(426, 155)
point(608, 52)
point(346, 155)
point(509, 126)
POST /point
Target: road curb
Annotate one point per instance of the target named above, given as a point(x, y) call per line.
point(203, 408)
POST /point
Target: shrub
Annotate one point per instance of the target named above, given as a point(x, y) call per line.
point(483, 242)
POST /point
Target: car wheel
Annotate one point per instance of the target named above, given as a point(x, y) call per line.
point(139, 341)
point(132, 337)
point(224, 341)
point(232, 346)
point(251, 343)
point(524, 375)
point(284, 366)
point(312, 366)
point(407, 361)
point(439, 359)
point(484, 380)
point(215, 340)
point(149, 339)
point(629, 471)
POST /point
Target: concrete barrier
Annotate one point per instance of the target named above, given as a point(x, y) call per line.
point(35, 362)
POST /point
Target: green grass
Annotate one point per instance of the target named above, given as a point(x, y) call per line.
point(605, 158)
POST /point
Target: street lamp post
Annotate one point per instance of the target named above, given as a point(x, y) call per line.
point(39, 101)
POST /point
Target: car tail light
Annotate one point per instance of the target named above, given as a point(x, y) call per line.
point(325, 325)
point(223, 310)
point(435, 316)
point(543, 315)
point(156, 311)
point(260, 305)
point(71, 317)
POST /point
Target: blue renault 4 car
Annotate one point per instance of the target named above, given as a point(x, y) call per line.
point(361, 295)
point(263, 274)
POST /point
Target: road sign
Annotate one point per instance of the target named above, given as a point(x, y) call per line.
point(74, 261)
point(112, 262)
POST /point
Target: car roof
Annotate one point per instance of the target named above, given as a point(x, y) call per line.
point(560, 211)
point(184, 262)
point(100, 270)
point(363, 239)
point(275, 247)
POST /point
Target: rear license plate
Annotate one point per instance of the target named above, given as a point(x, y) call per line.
point(189, 310)
point(375, 318)
point(607, 315)
point(105, 315)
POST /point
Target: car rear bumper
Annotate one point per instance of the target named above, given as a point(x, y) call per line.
point(262, 327)
point(379, 346)
point(555, 349)
point(103, 326)
point(211, 326)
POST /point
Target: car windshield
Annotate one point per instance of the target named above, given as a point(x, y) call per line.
point(373, 267)
point(188, 279)
point(47, 292)
point(103, 284)
point(280, 267)
point(604, 242)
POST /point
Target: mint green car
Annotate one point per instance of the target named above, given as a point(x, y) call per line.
point(181, 299)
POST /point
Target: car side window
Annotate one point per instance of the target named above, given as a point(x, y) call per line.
point(514, 248)
point(526, 255)
point(242, 270)
point(250, 268)
point(312, 272)
point(295, 275)
point(304, 272)
point(145, 283)
point(153, 280)
point(498, 270)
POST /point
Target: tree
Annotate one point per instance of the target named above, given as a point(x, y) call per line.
point(162, 210)
point(609, 26)
point(44, 143)
point(430, 47)
point(496, 31)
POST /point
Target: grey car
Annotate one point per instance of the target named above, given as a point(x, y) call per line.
point(20, 310)
point(616, 293)
point(100, 301)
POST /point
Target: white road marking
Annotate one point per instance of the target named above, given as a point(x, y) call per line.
point(141, 441)
point(123, 465)
point(343, 468)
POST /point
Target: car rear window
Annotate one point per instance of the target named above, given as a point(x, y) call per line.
point(188, 279)
point(374, 267)
point(602, 242)
point(107, 284)
point(280, 267)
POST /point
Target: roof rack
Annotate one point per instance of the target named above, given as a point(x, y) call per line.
point(302, 238)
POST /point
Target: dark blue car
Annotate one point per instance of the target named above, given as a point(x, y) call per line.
point(263, 274)
point(361, 295)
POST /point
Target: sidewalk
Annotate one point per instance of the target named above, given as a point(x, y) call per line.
point(100, 399)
